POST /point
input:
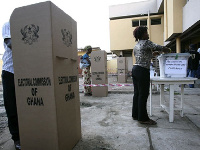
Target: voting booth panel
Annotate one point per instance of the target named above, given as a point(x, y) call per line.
point(122, 69)
point(44, 41)
point(99, 73)
point(173, 65)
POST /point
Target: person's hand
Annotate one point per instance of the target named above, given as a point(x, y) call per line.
point(156, 53)
point(167, 50)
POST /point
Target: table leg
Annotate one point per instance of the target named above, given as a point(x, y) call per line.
point(182, 94)
point(150, 96)
point(171, 103)
point(161, 93)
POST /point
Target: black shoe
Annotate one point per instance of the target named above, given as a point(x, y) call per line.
point(135, 118)
point(17, 145)
point(149, 122)
point(88, 94)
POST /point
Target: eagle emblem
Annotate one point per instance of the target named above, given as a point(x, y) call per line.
point(97, 58)
point(30, 34)
point(67, 37)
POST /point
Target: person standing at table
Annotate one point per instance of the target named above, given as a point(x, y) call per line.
point(143, 52)
point(193, 63)
point(9, 87)
point(86, 71)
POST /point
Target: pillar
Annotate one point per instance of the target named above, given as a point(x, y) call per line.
point(178, 45)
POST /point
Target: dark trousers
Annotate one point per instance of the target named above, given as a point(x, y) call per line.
point(10, 103)
point(141, 81)
point(192, 73)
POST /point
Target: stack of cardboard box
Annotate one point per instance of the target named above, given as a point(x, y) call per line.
point(44, 41)
point(99, 73)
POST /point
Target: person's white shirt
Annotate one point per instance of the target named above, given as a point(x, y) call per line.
point(7, 60)
point(7, 56)
point(198, 50)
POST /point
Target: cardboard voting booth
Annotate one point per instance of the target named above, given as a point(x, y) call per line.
point(173, 65)
point(122, 69)
point(99, 73)
point(44, 41)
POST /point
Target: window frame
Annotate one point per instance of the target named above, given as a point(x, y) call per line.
point(156, 22)
point(139, 22)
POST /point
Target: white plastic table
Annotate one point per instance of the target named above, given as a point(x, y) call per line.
point(171, 82)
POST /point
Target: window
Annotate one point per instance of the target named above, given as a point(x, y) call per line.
point(143, 22)
point(136, 23)
point(156, 21)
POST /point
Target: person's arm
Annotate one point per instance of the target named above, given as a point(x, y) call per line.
point(89, 62)
point(157, 49)
point(166, 50)
point(86, 56)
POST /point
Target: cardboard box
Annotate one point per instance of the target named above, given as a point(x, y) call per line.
point(122, 69)
point(100, 91)
point(121, 63)
point(173, 65)
point(122, 78)
point(44, 41)
point(99, 73)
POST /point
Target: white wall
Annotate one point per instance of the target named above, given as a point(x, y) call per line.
point(136, 8)
point(191, 13)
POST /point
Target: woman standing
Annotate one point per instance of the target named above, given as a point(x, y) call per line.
point(143, 52)
point(86, 71)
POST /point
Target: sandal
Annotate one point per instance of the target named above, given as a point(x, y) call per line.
point(149, 122)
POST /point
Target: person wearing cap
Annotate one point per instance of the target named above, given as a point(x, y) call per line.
point(9, 86)
point(86, 71)
point(193, 63)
